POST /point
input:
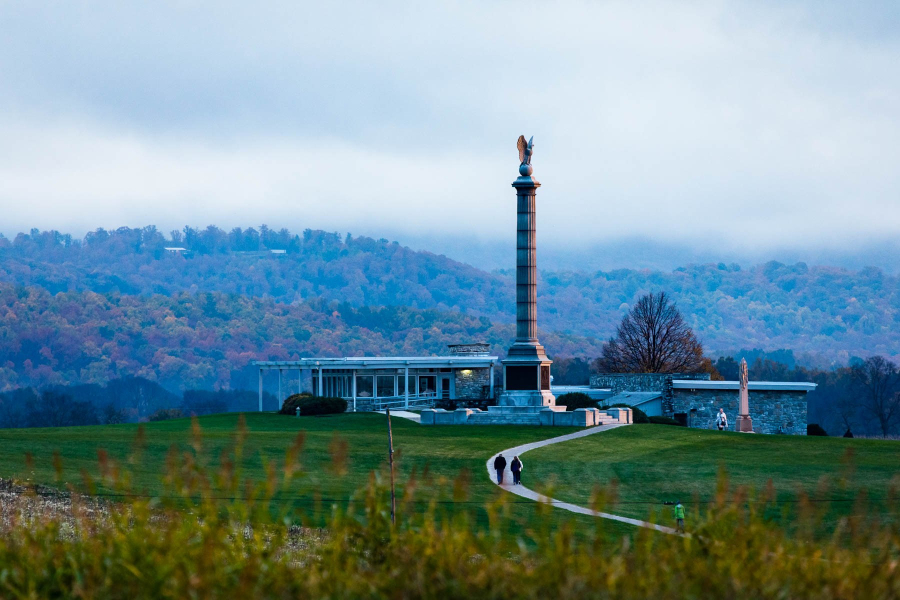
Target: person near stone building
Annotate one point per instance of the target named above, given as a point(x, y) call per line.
point(500, 466)
point(516, 467)
point(721, 420)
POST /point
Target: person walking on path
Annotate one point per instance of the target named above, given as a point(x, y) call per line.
point(500, 466)
point(722, 420)
point(679, 516)
point(516, 467)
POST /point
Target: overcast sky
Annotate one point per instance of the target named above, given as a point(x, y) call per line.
point(714, 125)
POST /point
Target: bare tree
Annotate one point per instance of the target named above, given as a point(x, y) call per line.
point(846, 409)
point(834, 402)
point(877, 381)
point(653, 338)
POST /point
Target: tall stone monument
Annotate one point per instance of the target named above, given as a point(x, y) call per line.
point(526, 398)
point(744, 422)
point(526, 369)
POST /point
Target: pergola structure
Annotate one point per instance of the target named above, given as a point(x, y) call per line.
point(395, 381)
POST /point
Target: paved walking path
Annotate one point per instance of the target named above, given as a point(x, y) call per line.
point(524, 492)
point(405, 414)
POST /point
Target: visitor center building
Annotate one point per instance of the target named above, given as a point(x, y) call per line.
point(378, 382)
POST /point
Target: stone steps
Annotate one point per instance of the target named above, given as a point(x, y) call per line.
point(486, 419)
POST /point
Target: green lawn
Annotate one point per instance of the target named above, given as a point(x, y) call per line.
point(442, 452)
point(652, 463)
point(655, 463)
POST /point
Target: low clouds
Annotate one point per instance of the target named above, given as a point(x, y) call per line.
point(715, 124)
point(90, 178)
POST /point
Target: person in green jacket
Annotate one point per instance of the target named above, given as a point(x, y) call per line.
point(679, 516)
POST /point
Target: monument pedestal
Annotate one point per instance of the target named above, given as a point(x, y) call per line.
point(745, 424)
point(523, 393)
point(521, 399)
point(526, 377)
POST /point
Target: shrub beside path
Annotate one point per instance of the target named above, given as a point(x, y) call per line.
point(524, 492)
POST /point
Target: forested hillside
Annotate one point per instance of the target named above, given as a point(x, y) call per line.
point(828, 312)
point(208, 340)
point(360, 271)
point(822, 313)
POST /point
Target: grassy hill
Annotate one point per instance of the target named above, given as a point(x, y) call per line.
point(651, 463)
point(656, 463)
point(50, 548)
point(433, 457)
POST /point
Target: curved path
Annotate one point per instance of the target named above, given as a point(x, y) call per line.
point(404, 414)
point(524, 492)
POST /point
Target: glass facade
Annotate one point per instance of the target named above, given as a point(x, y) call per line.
point(427, 385)
point(364, 386)
point(382, 382)
point(385, 383)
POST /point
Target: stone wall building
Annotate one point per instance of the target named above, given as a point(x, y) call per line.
point(473, 384)
point(694, 400)
point(623, 385)
point(775, 407)
point(640, 382)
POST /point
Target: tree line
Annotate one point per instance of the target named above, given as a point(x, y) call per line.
point(209, 340)
point(104, 358)
point(125, 400)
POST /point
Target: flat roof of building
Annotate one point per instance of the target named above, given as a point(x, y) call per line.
point(381, 362)
point(594, 393)
point(634, 398)
point(760, 386)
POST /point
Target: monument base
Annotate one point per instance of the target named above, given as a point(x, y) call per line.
point(526, 378)
point(535, 399)
point(745, 424)
point(556, 416)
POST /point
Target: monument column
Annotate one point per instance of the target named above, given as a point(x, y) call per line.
point(526, 259)
point(526, 369)
point(744, 422)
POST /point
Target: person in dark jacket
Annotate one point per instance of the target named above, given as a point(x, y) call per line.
point(516, 467)
point(500, 466)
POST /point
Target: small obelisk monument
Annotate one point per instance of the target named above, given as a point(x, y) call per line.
point(744, 422)
point(526, 369)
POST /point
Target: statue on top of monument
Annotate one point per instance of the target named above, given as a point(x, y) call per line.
point(525, 151)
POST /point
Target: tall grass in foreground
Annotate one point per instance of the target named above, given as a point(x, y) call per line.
point(217, 534)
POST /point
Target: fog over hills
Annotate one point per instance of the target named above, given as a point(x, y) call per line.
point(650, 253)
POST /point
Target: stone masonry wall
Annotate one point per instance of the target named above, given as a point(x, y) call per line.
point(470, 383)
point(362, 404)
point(771, 411)
point(640, 382)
